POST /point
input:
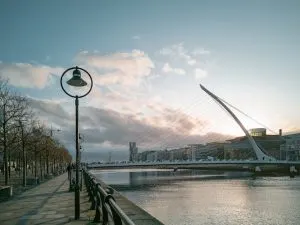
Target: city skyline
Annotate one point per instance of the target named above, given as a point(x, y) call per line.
point(147, 60)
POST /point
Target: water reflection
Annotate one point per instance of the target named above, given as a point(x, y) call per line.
point(208, 197)
point(134, 179)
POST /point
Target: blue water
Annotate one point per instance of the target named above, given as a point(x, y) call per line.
point(196, 197)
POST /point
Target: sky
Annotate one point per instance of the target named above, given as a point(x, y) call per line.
point(147, 59)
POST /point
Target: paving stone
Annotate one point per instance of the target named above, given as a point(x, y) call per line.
point(36, 217)
point(9, 222)
point(48, 212)
point(2, 215)
point(51, 203)
point(54, 216)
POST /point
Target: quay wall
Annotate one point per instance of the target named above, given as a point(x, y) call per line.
point(133, 211)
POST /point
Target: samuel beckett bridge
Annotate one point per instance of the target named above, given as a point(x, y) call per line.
point(263, 163)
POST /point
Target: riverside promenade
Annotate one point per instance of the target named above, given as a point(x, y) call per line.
point(48, 203)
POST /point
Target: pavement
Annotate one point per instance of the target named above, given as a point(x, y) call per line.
point(48, 203)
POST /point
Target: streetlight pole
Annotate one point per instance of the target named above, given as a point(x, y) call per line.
point(77, 195)
point(81, 138)
point(76, 81)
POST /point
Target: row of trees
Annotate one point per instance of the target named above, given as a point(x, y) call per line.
point(27, 146)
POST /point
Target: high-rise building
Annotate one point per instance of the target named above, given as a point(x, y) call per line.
point(133, 150)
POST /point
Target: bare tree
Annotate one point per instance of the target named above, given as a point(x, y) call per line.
point(23, 140)
point(13, 108)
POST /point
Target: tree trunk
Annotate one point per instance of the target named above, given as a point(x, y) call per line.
point(9, 162)
point(35, 162)
point(53, 165)
point(5, 148)
point(41, 166)
point(19, 164)
point(44, 167)
point(32, 168)
point(24, 159)
point(47, 161)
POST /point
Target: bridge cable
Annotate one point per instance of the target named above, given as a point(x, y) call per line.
point(237, 109)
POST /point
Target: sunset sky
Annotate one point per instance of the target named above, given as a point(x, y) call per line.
point(147, 59)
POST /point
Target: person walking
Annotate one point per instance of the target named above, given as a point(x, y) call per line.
point(69, 171)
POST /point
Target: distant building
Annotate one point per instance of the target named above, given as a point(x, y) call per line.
point(190, 152)
point(196, 150)
point(258, 132)
point(163, 155)
point(290, 150)
point(240, 148)
point(180, 153)
point(133, 152)
point(152, 156)
point(142, 156)
point(212, 149)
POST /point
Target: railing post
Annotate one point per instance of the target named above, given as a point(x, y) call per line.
point(97, 218)
point(116, 218)
point(104, 203)
point(88, 184)
point(94, 191)
point(91, 189)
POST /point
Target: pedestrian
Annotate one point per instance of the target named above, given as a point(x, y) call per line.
point(69, 171)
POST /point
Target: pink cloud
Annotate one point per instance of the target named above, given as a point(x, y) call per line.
point(28, 75)
point(126, 68)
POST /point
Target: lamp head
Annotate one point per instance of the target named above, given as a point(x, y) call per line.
point(76, 80)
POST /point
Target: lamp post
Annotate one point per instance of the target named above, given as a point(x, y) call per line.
point(81, 138)
point(76, 81)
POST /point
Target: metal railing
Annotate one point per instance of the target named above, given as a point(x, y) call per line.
point(107, 210)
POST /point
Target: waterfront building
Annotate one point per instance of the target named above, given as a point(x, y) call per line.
point(290, 150)
point(211, 149)
point(180, 153)
point(240, 148)
point(152, 156)
point(142, 156)
point(133, 152)
point(163, 155)
point(189, 152)
point(196, 150)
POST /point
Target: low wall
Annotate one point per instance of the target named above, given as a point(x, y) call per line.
point(5, 192)
point(134, 212)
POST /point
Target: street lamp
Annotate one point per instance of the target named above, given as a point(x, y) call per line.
point(76, 81)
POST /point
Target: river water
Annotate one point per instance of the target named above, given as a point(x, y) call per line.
point(208, 197)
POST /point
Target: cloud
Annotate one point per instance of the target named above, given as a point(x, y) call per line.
point(126, 68)
point(49, 110)
point(170, 128)
point(178, 51)
point(168, 69)
point(128, 112)
point(136, 37)
point(200, 73)
point(106, 126)
point(200, 51)
point(28, 75)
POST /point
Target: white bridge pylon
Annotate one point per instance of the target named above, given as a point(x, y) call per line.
point(260, 155)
